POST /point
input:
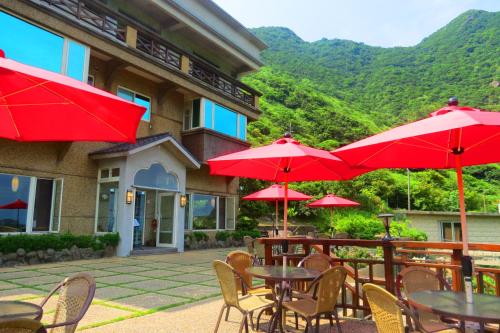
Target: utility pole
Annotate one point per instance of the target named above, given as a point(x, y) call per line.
point(409, 196)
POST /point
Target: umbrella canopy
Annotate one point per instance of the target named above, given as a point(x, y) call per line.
point(18, 204)
point(285, 160)
point(276, 192)
point(450, 137)
point(38, 105)
point(333, 201)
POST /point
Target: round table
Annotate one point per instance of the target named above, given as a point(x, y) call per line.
point(278, 274)
point(18, 309)
point(485, 308)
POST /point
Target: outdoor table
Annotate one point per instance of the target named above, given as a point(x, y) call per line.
point(285, 275)
point(293, 259)
point(485, 309)
point(18, 309)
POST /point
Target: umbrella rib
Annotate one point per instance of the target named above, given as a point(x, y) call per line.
point(35, 104)
point(27, 88)
point(80, 107)
point(482, 141)
point(12, 118)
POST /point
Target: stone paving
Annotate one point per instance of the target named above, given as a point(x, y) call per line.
point(154, 293)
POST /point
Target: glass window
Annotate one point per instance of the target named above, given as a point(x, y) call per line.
point(204, 210)
point(222, 213)
point(43, 205)
point(57, 200)
point(451, 232)
point(107, 205)
point(209, 107)
point(38, 47)
point(115, 172)
point(156, 177)
point(187, 213)
point(242, 130)
point(137, 99)
point(14, 202)
point(225, 120)
point(230, 213)
point(195, 117)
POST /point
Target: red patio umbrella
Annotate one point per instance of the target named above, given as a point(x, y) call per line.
point(38, 105)
point(276, 193)
point(285, 160)
point(450, 137)
point(18, 204)
point(332, 201)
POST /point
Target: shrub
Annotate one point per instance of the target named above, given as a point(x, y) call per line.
point(200, 236)
point(360, 226)
point(222, 236)
point(11, 243)
point(246, 223)
point(239, 234)
point(402, 229)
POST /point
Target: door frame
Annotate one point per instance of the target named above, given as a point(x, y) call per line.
point(175, 195)
point(143, 215)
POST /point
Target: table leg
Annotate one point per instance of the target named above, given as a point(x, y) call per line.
point(277, 317)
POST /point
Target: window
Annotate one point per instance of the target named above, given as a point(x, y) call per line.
point(107, 200)
point(38, 47)
point(451, 232)
point(209, 212)
point(136, 98)
point(29, 204)
point(205, 113)
point(91, 80)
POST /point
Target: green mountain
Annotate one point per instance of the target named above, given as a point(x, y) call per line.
point(332, 92)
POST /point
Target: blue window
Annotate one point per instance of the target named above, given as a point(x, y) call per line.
point(242, 130)
point(38, 47)
point(138, 99)
point(209, 108)
point(225, 121)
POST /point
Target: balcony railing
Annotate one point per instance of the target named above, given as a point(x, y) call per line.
point(115, 26)
point(444, 258)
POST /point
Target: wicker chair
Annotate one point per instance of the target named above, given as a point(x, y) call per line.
point(240, 261)
point(387, 311)
point(75, 295)
point(21, 326)
point(327, 288)
point(413, 279)
point(249, 244)
point(317, 261)
point(246, 304)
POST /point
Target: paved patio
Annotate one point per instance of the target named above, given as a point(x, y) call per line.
point(155, 293)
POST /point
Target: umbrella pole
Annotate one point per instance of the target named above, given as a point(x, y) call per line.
point(275, 226)
point(466, 259)
point(331, 220)
point(285, 208)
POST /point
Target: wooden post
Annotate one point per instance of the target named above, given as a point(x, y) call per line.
point(388, 266)
point(185, 64)
point(326, 248)
point(131, 36)
point(456, 275)
point(268, 253)
point(256, 101)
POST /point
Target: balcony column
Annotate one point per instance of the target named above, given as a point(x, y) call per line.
point(185, 64)
point(256, 101)
point(131, 36)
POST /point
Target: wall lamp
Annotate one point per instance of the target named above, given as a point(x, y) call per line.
point(129, 197)
point(386, 220)
point(183, 200)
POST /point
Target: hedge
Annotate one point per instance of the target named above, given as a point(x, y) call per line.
point(30, 242)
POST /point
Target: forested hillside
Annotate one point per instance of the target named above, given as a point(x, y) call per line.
point(332, 92)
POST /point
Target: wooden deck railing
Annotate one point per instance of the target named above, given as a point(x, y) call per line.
point(445, 258)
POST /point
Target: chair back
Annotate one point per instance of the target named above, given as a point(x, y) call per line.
point(329, 288)
point(228, 286)
point(75, 295)
point(317, 261)
point(260, 250)
point(386, 313)
point(248, 243)
point(240, 261)
point(21, 326)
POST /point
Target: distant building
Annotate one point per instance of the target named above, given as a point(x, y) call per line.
point(445, 226)
point(182, 60)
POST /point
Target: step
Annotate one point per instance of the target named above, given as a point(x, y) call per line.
point(153, 250)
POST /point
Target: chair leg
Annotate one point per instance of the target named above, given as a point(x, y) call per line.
point(242, 323)
point(250, 315)
point(220, 317)
point(246, 323)
point(308, 324)
point(339, 328)
point(227, 313)
point(317, 323)
point(296, 320)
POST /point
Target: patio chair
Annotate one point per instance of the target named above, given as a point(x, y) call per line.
point(75, 294)
point(21, 326)
point(246, 304)
point(317, 261)
point(249, 244)
point(412, 279)
point(327, 288)
point(387, 312)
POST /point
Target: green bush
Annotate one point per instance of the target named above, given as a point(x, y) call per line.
point(239, 234)
point(11, 243)
point(246, 223)
point(402, 229)
point(200, 236)
point(360, 226)
point(222, 236)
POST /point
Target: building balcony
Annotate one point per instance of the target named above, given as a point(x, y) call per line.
point(121, 29)
point(205, 143)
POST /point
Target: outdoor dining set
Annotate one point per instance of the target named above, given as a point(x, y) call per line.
point(72, 296)
point(423, 300)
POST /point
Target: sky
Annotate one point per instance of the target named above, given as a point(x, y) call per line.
point(374, 22)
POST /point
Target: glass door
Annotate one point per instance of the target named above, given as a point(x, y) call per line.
point(139, 215)
point(166, 213)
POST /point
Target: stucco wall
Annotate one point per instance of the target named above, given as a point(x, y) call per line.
point(482, 228)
